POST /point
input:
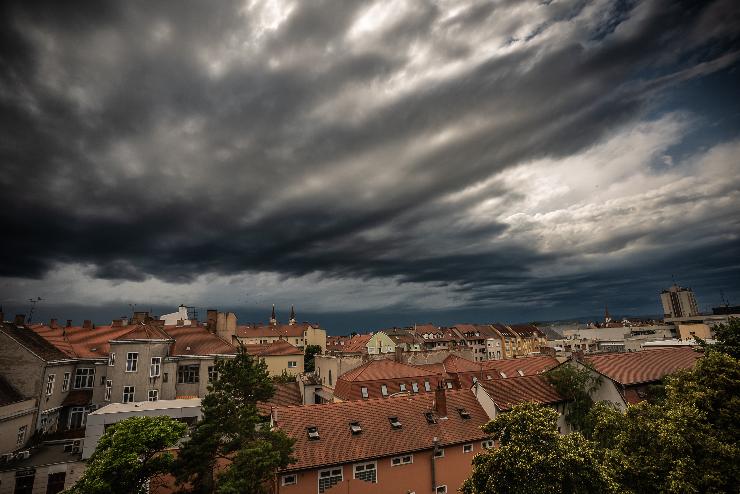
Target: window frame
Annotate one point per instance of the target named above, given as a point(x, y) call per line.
point(112, 359)
point(440, 453)
point(88, 377)
point(50, 380)
point(484, 445)
point(365, 464)
point(401, 460)
point(415, 387)
point(155, 366)
point(364, 392)
point(427, 386)
point(20, 437)
point(212, 373)
point(292, 364)
point(438, 491)
point(132, 363)
point(149, 395)
point(132, 391)
point(284, 482)
point(188, 374)
point(468, 448)
point(331, 471)
point(65, 381)
point(384, 390)
point(108, 390)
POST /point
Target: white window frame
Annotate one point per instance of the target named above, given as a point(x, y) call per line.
point(402, 387)
point(132, 361)
point(50, 384)
point(415, 387)
point(85, 378)
point(384, 390)
point(155, 395)
point(20, 438)
point(440, 489)
point(129, 390)
point(284, 480)
point(155, 367)
point(397, 461)
point(427, 386)
point(365, 392)
point(111, 359)
point(487, 444)
point(439, 454)
point(331, 471)
point(364, 466)
point(75, 410)
point(468, 448)
point(108, 389)
point(292, 364)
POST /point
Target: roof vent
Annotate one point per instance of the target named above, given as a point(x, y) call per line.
point(313, 433)
point(430, 417)
point(187, 348)
point(521, 372)
point(503, 374)
point(395, 423)
point(463, 413)
point(355, 428)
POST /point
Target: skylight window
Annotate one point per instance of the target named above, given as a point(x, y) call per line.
point(503, 374)
point(364, 392)
point(384, 390)
point(463, 413)
point(395, 423)
point(430, 417)
point(355, 428)
point(313, 433)
point(521, 372)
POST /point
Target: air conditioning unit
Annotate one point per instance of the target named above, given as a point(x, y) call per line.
point(23, 455)
point(6, 457)
point(77, 443)
point(76, 450)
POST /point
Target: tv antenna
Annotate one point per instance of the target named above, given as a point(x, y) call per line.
point(33, 302)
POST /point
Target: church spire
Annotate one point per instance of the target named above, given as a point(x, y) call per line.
point(273, 319)
point(607, 317)
point(292, 316)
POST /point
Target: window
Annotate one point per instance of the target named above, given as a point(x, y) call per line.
point(384, 390)
point(50, 384)
point(188, 374)
point(467, 448)
point(364, 392)
point(329, 477)
point(84, 377)
point(65, 381)
point(330, 382)
point(21, 438)
point(132, 361)
point(487, 444)
point(449, 385)
point(463, 413)
point(55, 482)
point(313, 433)
point(366, 471)
point(24, 481)
point(395, 423)
point(427, 387)
point(128, 393)
point(112, 359)
point(153, 394)
point(292, 364)
point(212, 374)
point(108, 389)
point(291, 479)
point(402, 387)
point(155, 367)
point(430, 417)
point(440, 453)
point(76, 418)
point(165, 377)
point(415, 387)
point(441, 489)
point(102, 380)
point(402, 460)
point(355, 428)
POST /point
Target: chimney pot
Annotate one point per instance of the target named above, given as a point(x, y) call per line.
point(87, 324)
point(53, 323)
point(20, 319)
point(69, 323)
point(440, 399)
point(116, 323)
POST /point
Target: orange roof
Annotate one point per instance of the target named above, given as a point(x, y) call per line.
point(276, 330)
point(382, 369)
point(378, 373)
point(197, 340)
point(356, 344)
point(509, 392)
point(337, 444)
point(527, 365)
point(527, 330)
point(286, 394)
point(644, 366)
point(278, 347)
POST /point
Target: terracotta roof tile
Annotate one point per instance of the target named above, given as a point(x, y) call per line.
point(643, 366)
point(355, 344)
point(278, 347)
point(35, 343)
point(527, 330)
point(272, 330)
point(197, 340)
point(337, 445)
point(378, 373)
point(286, 394)
point(527, 365)
point(509, 392)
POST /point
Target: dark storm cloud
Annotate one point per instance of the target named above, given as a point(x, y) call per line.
point(175, 140)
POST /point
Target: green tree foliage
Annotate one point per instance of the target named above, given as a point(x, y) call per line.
point(284, 377)
point(310, 362)
point(687, 442)
point(230, 451)
point(129, 454)
point(727, 336)
point(576, 383)
point(533, 458)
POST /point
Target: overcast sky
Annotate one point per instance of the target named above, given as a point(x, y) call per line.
point(369, 162)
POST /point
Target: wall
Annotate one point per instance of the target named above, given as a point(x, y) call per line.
point(337, 365)
point(13, 417)
point(277, 364)
point(73, 470)
point(139, 379)
point(20, 367)
point(688, 331)
point(451, 470)
point(608, 390)
point(316, 336)
point(380, 343)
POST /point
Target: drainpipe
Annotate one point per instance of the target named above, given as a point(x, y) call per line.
point(434, 469)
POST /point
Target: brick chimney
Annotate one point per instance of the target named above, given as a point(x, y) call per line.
point(440, 399)
point(211, 319)
point(53, 323)
point(116, 323)
point(20, 319)
point(87, 324)
point(69, 323)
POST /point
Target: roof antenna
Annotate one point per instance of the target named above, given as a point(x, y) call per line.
point(33, 306)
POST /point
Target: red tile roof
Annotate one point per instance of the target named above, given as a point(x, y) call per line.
point(337, 445)
point(382, 369)
point(355, 344)
point(643, 366)
point(33, 342)
point(528, 365)
point(197, 340)
point(270, 330)
point(527, 330)
point(286, 394)
point(376, 373)
point(509, 392)
point(276, 348)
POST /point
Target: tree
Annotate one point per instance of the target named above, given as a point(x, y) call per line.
point(130, 453)
point(727, 336)
point(309, 363)
point(687, 442)
point(532, 457)
point(230, 451)
point(576, 383)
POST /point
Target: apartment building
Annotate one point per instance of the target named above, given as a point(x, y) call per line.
point(383, 378)
point(17, 414)
point(436, 337)
point(280, 356)
point(418, 443)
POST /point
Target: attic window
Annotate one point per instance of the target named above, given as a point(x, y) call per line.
point(430, 417)
point(395, 423)
point(93, 349)
point(364, 392)
point(463, 413)
point(313, 433)
point(355, 428)
point(384, 390)
point(503, 374)
point(187, 348)
point(521, 372)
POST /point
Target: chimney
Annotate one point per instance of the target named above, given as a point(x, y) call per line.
point(53, 323)
point(440, 399)
point(69, 323)
point(211, 319)
point(20, 319)
point(87, 324)
point(2, 315)
point(116, 323)
point(140, 316)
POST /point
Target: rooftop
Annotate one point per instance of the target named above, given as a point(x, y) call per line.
point(644, 366)
point(507, 393)
point(276, 348)
point(141, 406)
point(527, 365)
